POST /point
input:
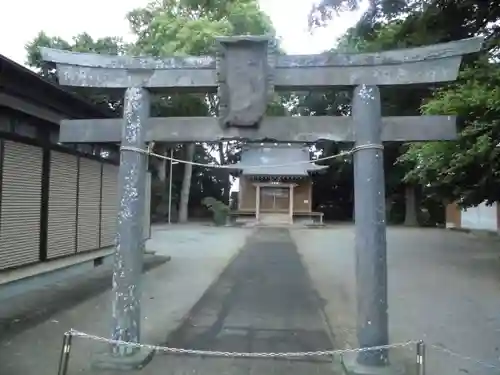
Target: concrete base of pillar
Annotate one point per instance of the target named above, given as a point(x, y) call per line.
point(108, 361)
point(352, 367)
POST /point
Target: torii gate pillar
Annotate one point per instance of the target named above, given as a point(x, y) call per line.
point(131, 184)
point(370, 237)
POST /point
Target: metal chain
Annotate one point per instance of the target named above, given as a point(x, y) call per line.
point(149, 152)
point(319, 353)
point(209, 353)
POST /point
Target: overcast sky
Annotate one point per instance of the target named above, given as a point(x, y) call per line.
point(21, 20)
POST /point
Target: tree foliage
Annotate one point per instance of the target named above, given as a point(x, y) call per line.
point(466, 170)
point(167, 28)
point(328, 10)
point(189, 27)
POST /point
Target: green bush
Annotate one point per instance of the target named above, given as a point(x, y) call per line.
point(220, 211)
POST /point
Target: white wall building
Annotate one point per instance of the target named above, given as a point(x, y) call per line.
point(481, 217)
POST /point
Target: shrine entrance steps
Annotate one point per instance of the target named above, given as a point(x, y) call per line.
point(276, 220)
point(271, 219)
point(296, 224)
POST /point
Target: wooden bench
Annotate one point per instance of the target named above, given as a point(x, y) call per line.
point(235, 214)
point(242, 213)
point(312, 214)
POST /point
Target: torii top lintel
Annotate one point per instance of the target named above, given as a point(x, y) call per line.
point(245, 73)
point(434, 63)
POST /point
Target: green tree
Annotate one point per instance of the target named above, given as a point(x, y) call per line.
point(326, 11)
point(166, 28)
point(80, 43)
point(468, 170)
point(442, 170)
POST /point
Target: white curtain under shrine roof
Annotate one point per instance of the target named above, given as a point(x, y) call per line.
point(254, 156)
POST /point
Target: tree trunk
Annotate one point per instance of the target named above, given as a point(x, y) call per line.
point(410, 207)
point(161, 189)
point(227, 187)
point(388, 209)
point(162, 166)
point(186, 183)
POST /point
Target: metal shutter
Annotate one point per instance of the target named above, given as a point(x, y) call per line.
point(89, 192)
point(21, 204)
point(61, 230)
point(109, 204)
point(147, 209)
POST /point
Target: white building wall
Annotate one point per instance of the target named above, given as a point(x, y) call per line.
point(482, 217)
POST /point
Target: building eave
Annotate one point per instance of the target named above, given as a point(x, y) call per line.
point(55, 96)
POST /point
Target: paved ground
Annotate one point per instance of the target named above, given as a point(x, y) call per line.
point(444, 287)
point(199, 255)
point(27, 310)
point(264, 302)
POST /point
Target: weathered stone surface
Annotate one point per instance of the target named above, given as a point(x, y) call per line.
point(370, 228)
point(135, 361)
point(436, 63)
point(94, 60)
point(320, 78)
point(203, 80)
point(283, 129)
point(393, 57)
point(310, 78)
point(243, 78)
point(129, 241)
point(352, 367)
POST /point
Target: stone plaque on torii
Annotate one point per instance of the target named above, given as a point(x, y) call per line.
point(245, 73)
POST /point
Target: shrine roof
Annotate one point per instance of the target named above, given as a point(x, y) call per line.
point(272, 154)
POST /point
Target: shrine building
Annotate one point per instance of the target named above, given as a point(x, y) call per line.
point(280, 193)
point(58, 202)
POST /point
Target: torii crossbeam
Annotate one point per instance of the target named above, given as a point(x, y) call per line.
point(245, 73)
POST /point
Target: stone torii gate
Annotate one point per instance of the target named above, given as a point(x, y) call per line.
point(245, 73)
